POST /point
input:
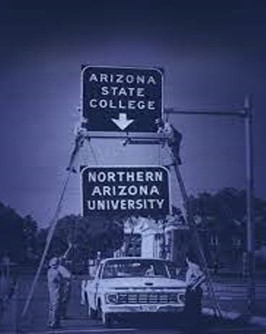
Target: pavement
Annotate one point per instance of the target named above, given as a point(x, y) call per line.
point(230, 293)
point(238, 316)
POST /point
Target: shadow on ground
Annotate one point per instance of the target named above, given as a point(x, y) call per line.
point(160, 322)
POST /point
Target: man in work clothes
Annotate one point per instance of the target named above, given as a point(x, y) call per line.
point(173, 137)
point(54, 287)
point(80, 136)
point(66, 287)
point(194, 278)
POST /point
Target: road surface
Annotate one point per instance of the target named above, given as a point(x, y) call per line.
point(231, 296)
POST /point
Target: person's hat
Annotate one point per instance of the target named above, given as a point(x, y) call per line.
point(54, 262)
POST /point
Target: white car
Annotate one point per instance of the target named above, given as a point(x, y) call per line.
point(133, 285)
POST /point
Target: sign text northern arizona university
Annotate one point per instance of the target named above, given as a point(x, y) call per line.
point(126, 190)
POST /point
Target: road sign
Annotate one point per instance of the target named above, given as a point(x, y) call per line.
point(121, 99)
point(125, 190)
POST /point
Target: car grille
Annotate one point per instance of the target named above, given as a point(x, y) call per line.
point(148, 298)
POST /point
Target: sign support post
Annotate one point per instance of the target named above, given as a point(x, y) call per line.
point(250, 207)
point(246, 113)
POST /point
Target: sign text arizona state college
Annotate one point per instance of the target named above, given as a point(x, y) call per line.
point(121, 99)
point(118, 190)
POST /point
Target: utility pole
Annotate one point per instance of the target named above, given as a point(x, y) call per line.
point(247, 114)
point(250, 206)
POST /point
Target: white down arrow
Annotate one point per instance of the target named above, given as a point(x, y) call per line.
point(122, 122)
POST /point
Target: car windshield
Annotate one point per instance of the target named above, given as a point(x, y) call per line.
point(136, 268)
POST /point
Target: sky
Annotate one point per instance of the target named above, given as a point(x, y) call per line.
point(212, 53)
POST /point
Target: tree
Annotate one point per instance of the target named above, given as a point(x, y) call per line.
point(131, 222)
point(222, 217)
point(88, 235)
point(40, 238)
point(102, 234)
point(30, 230)
point(11, 234)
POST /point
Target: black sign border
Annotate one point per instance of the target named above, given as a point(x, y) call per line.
point(86, 66)
point(83, 168)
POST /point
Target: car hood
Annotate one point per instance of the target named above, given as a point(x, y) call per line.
point(142, 282)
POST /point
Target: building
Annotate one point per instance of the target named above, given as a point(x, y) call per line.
point(164, 238)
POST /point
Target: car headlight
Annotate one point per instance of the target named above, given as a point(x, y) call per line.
point(111, 298)
point(181, 298)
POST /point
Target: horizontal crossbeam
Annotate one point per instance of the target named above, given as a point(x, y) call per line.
point(237, 112)
point(157, 138)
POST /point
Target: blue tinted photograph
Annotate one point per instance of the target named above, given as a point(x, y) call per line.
point(132, 175)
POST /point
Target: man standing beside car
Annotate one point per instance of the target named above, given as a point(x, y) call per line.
point(194, 279)
point(55, 280)
point(66, 287)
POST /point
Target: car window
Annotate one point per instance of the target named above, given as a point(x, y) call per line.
point(174, 272)
point(135, 268)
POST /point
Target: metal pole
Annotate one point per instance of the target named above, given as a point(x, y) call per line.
point(250, 207)
point(236, 112)
point(47, 246)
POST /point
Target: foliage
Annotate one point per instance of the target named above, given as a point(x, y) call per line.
point(87, 235)
point(222, 218)
point(12, 242)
